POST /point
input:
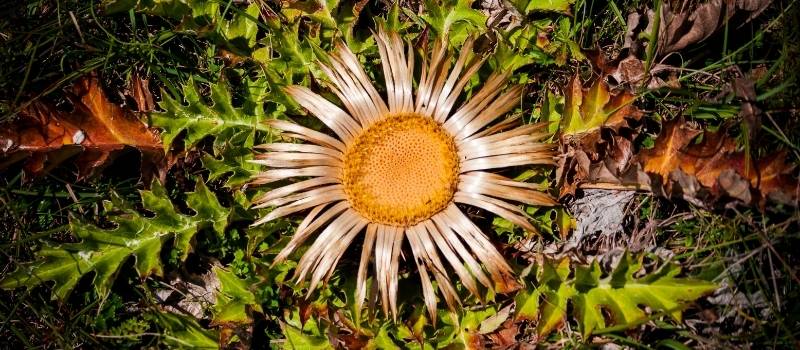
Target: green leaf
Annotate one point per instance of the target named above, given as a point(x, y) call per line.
point(520, 46)
point(234, 299)
point(239, 34)
point(527, 305)
point(455, 18)
point(184, 332)
point(528, 6)
point(619, 294)
point(622, 295)
point(556, 291)
point(588, 109)
point(202, 17)
point(296, 339)
point(233, 159)
point(103, 251)
point(382, 340)
point(200, 120)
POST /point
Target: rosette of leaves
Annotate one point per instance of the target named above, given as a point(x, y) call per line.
point(103, 251)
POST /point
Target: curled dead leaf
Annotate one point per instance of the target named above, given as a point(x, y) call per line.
point(596, 132)
point(688, 22)
point(715, 167)
point(96, 130)
point(139, 90)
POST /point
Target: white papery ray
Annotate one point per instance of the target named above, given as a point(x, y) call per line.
point(482, 142)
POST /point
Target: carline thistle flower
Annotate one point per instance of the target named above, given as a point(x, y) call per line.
point(398, 166)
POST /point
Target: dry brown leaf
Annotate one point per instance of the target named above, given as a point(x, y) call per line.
point(662, 158)
point(96, 128)
point(628, 72)
point(774, 179)
point(505, 336)
point(597, 127)
point(681, 26)
point(139, 90)
point(717, 167)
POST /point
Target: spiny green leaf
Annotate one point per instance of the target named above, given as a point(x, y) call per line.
point(588, 109)
point(555, 291)
point(233, 299)
point(527, 305)
point(382, 340)
point(528, 6)
point(200, 120)
point(184, 332)
point(239, 34)
point(455, 18)
point(620, 294)
point(104, 251)
point(233, 160)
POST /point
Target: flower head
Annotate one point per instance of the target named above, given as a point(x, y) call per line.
point(397, 167)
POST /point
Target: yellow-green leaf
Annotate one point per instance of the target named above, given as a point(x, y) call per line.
point(234, 299)
point(104, 251)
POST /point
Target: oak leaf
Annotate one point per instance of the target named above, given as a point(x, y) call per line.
point(96, 129)
point(718, 166)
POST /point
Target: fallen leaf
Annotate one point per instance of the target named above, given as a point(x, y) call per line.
point(96, 129)
point(506, 336)
point(744, 88)
point(591, 134)
point(735, 186)
point(774, 179)
point(628, 72)
point(664, 156)
point(687, 25)
point(704, 171)
point(139, 90)
point(586, 110)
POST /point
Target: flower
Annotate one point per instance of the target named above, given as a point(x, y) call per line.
point(397, 168)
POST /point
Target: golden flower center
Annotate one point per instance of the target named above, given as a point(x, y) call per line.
point(401, 170)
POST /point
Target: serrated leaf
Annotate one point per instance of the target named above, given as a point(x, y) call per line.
point(233, 160)
point(555, 291)
point(199, 120)
point(104, 251)
point(528, 6)
point(234, 298)
point(465, 333)
point(239, 34)
point(184, 332)
point(455, 18)
point(589, 109)
point(621, 295)
point(382, 340)
point(296, 339)
point(527, 305)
